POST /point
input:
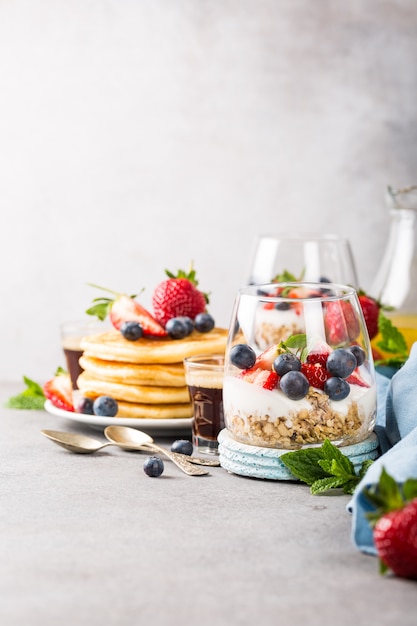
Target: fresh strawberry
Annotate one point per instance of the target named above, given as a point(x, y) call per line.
point(59, 391)
point(394, 524)
point(370, 309)
point(316, 374)
point(341, 322)
point(356, 379)
point(178, 296)
point(395, 537)
point(319, 354)
point(124, 308)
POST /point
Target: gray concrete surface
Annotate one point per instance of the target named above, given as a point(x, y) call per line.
point(92, 540)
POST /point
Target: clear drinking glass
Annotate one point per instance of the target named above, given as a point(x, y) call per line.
point(312, 258)
point(298, 367)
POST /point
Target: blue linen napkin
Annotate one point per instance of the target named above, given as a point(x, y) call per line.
point(396, 427)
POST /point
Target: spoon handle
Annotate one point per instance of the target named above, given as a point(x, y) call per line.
point(180, 460)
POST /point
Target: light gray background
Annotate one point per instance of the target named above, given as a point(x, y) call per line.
point(139, 135)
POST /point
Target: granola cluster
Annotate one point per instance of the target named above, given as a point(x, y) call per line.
point(307, 426)
point(267, 334)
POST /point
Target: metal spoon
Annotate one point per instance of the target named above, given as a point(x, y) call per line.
point(81, 444)
point(126, 437)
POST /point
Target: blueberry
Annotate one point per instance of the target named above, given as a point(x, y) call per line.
point(242, 356)
point(176, 328)
point(282, 306)
point(359, 354)
point(204, 322)
point(341, 363)
point(295, 385)
point(85, 406)
point(336, 388)
point(105, 406)
point(183, 446)
point(132, 331)
point(153, 466)
point(286, 362)
point(188, 322)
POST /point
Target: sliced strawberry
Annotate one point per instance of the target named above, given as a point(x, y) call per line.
point(122, 308)
point(266, 359)
point(341, 322)
point(319, 354)
point(59, 391)
point(126, 309)
point(316, 374)
point(266, 380)
point(356, 379)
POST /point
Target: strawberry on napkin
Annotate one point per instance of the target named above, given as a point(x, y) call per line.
point(397, 431)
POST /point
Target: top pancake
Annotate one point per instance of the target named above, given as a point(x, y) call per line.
point(112, 346)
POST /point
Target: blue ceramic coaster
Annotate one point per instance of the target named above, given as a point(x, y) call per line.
point(256, 462)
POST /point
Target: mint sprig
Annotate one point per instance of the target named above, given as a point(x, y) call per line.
point(31, 398)
point(392, 342)
point(324, 468)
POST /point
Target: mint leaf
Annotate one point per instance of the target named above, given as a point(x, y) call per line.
point(324, 484)
point(393, 340)
point(296, 342)
point(324, 468)
point(304, 464)
point(31, 398)
point(286, 277)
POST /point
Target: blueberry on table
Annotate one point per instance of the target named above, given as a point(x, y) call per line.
point(105, 406)
point(295, 385)
point(85, 406)
point(287, 362)
point(341, 363)
point(204, 322)
point(177, 328)
point(359, 354)
point(242, 356)
point(132, 331)
point(336, 388)
point(183, 446)
point(153, 466)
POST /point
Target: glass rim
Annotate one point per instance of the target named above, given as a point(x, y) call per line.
point(345, 291)
point(212, 361)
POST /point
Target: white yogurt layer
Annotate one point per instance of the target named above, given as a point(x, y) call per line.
point(243, 399)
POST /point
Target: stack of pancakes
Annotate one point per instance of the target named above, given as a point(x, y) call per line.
point(147, 376)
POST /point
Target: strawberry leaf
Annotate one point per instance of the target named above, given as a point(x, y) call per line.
point(410, 489)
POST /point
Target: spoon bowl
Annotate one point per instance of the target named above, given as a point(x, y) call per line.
point(126, 436)
point(80, 444)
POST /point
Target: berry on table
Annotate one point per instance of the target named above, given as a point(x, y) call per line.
point(341, 363)
point(336, 388)
point(153, 466)
point(182, 446)
point(295, 385)
point(286, 362)
point(105, 406)
point(204, 322)
point(242, 356)
point(132, 331)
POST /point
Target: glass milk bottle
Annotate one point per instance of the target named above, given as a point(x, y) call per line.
point(395, 284)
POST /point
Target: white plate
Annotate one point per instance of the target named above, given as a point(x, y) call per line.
point(148, 425)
